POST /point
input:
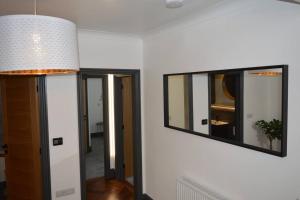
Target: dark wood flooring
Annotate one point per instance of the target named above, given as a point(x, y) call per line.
point(104, 189)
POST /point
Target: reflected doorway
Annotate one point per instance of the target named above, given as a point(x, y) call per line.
point(225, 105)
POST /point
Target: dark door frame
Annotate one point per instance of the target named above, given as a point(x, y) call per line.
point(44, 137)
point(44, 131)
point(86, 117)
point(137, 137)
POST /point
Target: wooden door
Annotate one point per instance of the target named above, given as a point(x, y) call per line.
point(128, 125)
point(21, 137)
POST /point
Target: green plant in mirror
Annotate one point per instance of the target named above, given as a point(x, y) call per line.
point(272, 129)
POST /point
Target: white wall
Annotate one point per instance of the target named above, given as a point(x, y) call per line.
point(108, 50)
point(97, 50)
point(63, 122)
point(242, 34)
point(95, 103)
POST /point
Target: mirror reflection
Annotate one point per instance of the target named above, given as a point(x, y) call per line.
point(262, 108)
point(179, 106)
point(200, 103)
point(224, 105)
point(243, 107)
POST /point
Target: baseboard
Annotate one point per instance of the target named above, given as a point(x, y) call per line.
point(147, 197)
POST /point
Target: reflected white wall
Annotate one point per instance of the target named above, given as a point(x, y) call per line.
point(176, 101)
point(200, 102)
point(262, 101)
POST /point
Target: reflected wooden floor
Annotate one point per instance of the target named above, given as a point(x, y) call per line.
point(102, 189)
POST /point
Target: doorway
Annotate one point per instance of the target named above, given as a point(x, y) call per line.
point(122, 134)
point(24, 132)
point(94, 127)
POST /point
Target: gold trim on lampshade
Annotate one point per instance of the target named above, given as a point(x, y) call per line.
point(39, 72)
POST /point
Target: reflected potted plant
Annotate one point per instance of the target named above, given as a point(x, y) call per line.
point(272, 129)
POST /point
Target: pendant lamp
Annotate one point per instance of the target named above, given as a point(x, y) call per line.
point(35, 44)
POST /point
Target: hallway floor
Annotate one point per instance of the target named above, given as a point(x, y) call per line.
point(102, 189)
point(95, 158)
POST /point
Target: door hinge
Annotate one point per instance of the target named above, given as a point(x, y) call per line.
point(122, 86)
point(124, 165)
point(41, 151)
point(123, 127)
point(37, 88)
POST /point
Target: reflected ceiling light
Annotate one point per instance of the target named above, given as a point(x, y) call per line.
point(174, 3)
point(267, 73)
point(35, 44)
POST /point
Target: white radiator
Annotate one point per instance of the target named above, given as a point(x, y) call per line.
point(190, 190)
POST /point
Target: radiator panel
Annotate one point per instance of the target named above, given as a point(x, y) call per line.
point(190, 190)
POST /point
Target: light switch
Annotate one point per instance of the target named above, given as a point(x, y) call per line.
point(57, 141)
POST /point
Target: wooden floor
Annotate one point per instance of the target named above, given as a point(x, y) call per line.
point(102, 189)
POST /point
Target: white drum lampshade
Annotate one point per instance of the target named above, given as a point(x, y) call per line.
point(35, 44)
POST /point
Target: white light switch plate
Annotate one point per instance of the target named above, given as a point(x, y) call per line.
point(65, 192)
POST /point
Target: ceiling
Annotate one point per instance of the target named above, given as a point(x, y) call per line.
point(120, 16)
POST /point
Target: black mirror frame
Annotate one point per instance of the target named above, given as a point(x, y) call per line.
point(284, 68)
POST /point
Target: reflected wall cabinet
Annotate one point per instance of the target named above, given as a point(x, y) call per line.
point(245, 107)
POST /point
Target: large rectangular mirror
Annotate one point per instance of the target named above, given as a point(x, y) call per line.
point(245, 107)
